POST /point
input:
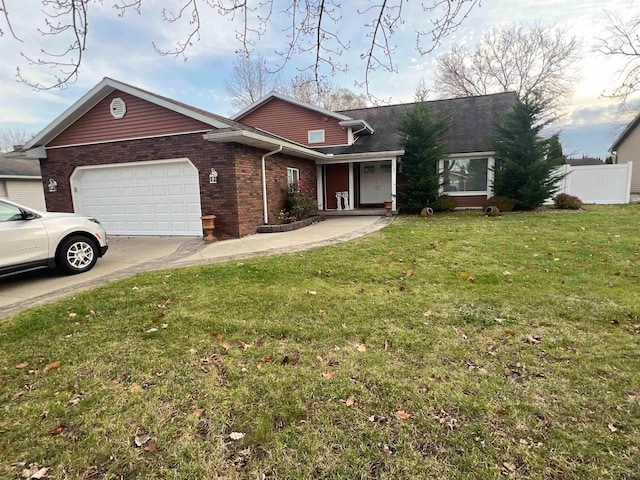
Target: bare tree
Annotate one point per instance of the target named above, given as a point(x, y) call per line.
point(324, 94)
point(314, 28)
point(251, 80)
point(532, 61)
point(623, 42)
point(10, 137)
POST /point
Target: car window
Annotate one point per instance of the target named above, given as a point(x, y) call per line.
point(9, 213)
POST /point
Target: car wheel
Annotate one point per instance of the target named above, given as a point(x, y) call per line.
point(76, 255)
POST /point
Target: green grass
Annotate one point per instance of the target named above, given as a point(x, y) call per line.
point(317, 356)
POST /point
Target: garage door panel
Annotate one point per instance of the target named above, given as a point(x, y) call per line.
point(134, 199)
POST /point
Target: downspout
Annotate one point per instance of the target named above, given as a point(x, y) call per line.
point(264, 183)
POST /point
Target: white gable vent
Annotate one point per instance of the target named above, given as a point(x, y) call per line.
point(118, 108)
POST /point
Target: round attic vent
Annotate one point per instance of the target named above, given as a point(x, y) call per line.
point(118, 108)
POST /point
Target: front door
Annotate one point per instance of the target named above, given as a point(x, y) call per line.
point(375, 182)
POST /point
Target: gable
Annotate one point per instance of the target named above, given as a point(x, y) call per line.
point(142, 119)
point(293, 122)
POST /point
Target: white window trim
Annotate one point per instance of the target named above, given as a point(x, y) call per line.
point(311, 132)
point(490, 176)
point(293, 172)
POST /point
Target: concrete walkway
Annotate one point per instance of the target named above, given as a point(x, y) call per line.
point(130, 255)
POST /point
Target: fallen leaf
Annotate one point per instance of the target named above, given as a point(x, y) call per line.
point(52, 366)
point(264, 360)
point(226, 346)
point(350, 401)
point(165, 325)
point(219, 336)
point(236, 436)
point(402, 415)
point(510, 333)
point(151, 330)
point(427, 313)
point(198, 412)
point(509, 466)
point(506, 272)
point(532, 339)
point(151, 447)
point(58, 430)
point(142, 439)
point(22, 365)
point(362, 347)
point(329, 375)
point(311, 292)
point(37, 475)
point(75, 399)
point(73, 314)
point(246, 346)
point(472, 278)
point(612, 427)
point(410, 273)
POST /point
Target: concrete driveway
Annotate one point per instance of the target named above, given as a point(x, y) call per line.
point(131, 255)
point(126, 256)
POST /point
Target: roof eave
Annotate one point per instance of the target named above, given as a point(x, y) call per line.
point(628, 129)
point(261, 141)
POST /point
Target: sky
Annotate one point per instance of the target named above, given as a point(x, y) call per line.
point(123, 48)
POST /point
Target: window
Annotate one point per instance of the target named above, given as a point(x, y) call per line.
point(315, 136)
point(465, 175)
point(9, 213)
point(293, 178)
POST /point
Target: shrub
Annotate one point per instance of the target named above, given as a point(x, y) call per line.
point(301, 203)
point(444, 203)
point(567, 202)
point(504, 204)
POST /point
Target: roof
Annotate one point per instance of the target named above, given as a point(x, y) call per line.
point(625, 133)
point(579, 162)
point(270, 96)
point(472, 123)
point(104, 88)
point(19, 168)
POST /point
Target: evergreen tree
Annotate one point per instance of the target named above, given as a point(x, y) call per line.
point(423, 150)
point(525, 162)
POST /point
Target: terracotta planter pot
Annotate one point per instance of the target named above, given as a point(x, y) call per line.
point(208, 225)
point(387, 205)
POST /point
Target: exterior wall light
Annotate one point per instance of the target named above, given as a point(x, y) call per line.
point(213, 176)
point(53, 185)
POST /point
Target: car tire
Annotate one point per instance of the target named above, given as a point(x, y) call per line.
point(77, 254)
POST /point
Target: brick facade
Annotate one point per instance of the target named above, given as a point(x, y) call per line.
point(236, 199)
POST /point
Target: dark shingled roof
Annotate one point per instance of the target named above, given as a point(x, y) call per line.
point(19, 167)
point(580, 162)
point(472, 122)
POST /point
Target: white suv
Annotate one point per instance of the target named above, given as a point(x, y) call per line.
point(30, 239)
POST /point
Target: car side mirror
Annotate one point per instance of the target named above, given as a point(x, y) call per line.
point(27, 215)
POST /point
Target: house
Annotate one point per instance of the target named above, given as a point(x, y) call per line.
point(584, 161)
point(145, 164)
point(20, 181)
point(626, 149)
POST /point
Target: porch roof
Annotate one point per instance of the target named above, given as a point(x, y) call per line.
point(472, 123)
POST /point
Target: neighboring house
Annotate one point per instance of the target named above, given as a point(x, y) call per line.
point(148, 165)
point(626, 149)
point(21, 182)
point(584, 161)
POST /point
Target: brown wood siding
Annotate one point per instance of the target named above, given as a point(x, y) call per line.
point(337, 180)
point(471, 201)
point(293, 122)
point(143, 119)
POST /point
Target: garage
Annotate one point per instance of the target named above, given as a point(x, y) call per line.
point(142, 198)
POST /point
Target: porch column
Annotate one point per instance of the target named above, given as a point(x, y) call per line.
point(394, 169)
point(319, 187)
point(351, 187)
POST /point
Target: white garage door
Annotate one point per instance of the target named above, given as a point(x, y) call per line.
point(145, 198)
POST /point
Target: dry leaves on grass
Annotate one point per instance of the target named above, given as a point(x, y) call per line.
point(362, 347)
point(52, 366)
point(328, 375)
point(22, 365)
point(34, 472)
point(402, 415)
point(236, 436)
point(532, 339)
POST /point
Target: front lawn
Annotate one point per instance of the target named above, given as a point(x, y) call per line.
point(455, 347)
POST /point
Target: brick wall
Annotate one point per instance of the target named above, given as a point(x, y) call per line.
point(236, 199)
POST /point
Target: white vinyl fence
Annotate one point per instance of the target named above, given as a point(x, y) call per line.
point(604, 184)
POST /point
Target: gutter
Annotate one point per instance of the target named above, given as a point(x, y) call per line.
point(264, 182)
